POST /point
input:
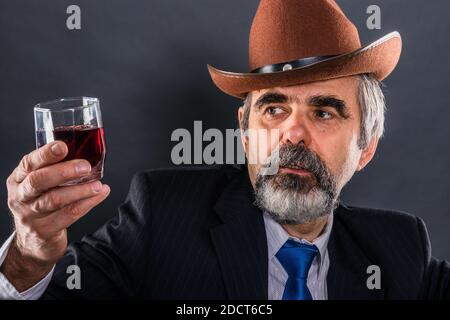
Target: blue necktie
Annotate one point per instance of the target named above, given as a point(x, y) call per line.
point(296, 259)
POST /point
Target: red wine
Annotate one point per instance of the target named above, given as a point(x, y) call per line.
point(83, 142)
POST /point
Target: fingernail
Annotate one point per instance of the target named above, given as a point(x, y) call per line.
point(82, 168)
point(97, 186)
point(57, 149)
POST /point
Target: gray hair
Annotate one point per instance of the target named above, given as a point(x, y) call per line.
point(372, 104)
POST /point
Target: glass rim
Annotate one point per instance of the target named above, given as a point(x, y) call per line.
point(91, 101)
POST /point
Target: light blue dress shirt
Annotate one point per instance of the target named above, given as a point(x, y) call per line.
point(317, 275)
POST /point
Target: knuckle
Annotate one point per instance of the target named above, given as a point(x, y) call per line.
point(37, 206)
point(51, 201)
point(25, 163)
point(26, 191)
point(88, 190)
point(45, 203)
point(12, 204)
point(33, 181)
point(18, 195)
point(9, 181)
point(75, 210)
point(41, 155)
point(21, 194)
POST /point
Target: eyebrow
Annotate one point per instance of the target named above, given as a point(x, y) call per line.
point(330, 101)
point(318, 101)
point(269, 98)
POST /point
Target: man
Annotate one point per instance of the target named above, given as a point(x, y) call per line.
point(226, 232)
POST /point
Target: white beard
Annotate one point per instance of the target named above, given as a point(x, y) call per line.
point(292, 207)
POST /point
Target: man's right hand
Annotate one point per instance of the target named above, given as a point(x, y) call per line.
point(42, 210)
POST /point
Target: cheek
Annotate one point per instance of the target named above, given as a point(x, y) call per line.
point(348, 162)
point(340, 155)
point(337, 148)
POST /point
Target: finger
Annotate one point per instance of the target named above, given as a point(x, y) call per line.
point(65, 217)
point(61, 197)
point(41, 180)
point(45, 155)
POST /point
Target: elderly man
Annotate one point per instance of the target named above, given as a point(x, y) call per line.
point(227, 232)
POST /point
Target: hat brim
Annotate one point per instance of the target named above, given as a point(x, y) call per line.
point(378, 58)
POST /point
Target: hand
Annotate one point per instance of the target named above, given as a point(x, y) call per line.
point(43, 210)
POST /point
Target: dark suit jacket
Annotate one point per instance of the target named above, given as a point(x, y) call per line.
point(194, 233)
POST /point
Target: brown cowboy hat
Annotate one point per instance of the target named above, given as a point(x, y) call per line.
point(299, 41)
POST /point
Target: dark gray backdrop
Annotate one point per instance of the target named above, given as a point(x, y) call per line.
point(146, 61)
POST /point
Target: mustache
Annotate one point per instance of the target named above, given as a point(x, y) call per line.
point(300, 157)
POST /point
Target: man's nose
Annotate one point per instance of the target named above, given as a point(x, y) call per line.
point(296, 132)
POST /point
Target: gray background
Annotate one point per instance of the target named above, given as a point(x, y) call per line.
point(146, 61)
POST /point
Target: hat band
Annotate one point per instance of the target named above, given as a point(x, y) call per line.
point(285, 66)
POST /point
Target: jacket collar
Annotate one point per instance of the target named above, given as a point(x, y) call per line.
point(240, 242)
point(347, 275)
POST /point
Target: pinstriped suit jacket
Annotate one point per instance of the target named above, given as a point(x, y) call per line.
point(194, 233)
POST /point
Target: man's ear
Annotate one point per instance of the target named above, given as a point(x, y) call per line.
point(368, 153)
point(243, 136)
point(240, 115)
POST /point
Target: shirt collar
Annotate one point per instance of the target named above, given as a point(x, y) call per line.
point(277, 236)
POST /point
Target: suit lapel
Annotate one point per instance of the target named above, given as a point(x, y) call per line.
point(240, 242)
point(347, 275)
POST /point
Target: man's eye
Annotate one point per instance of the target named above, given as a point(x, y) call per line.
point(273, 111)
point(324, 115)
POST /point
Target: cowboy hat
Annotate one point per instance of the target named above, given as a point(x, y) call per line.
point(299, 41)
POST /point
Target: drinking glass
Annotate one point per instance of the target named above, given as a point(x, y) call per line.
point(77, 122)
